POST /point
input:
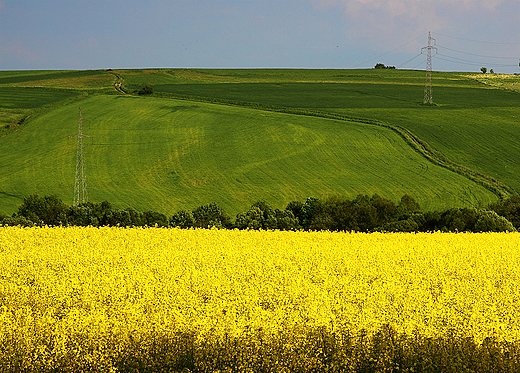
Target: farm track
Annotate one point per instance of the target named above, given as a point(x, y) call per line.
point(118, 85)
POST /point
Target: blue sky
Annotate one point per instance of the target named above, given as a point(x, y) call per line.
point(92, 34)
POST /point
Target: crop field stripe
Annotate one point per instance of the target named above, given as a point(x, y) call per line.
point(30, 98)
point(7, 77)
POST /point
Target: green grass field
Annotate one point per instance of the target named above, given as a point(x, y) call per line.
point(30, 98)
point(473, 124)
point(23, 93)
point(200, 139)
point(35, 78)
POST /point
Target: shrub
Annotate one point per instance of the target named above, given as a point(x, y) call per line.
point(146, 90)
point(509, 208)
point(262, 216)
point(48, 210)
point(182, 219)
point(82, 215)
point(16, 221)
point(211, 215)
point(490, 221)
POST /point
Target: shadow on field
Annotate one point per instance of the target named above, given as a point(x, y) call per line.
point(179, 108)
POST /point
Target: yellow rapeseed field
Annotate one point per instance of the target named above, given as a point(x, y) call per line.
point(99, 298)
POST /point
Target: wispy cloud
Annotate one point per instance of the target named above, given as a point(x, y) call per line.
point(241, 33)
point(410, 8)
point(19, 52)
point(383, 20)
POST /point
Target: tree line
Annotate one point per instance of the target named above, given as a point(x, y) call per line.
point(361, 214)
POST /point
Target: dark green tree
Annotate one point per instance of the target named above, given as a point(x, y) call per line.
point(250, 219)
point(128, 217)
point(47, 210)
point(296, 208)
point(459, 219)
point(104, 213)
point(408, 206)
point(406, 225)
point(385, 210)
point(145, 90)
point(211, 215)
point(182, 219)
point(333, 214)
point(490, 221)
point(82, 215)
point(262, 216)
point(154, 219)
point(285, 220)
point(429, 221)
point(508, 208)
point(309, 209)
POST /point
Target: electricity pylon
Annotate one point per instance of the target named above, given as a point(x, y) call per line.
point(428, 98)
point(80, 184)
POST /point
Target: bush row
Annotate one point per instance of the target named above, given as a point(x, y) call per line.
point(361, 214)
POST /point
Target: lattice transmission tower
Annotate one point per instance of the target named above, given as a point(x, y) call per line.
point(80, 184)
point(428, 98)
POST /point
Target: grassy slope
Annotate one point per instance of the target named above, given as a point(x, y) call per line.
point(165, 154)
point(23, 93)
point(472, 124)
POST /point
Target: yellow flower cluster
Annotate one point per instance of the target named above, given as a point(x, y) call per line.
point(93, 293)
point(502, 81)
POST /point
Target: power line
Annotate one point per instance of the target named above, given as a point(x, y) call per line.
point(450, 58)
point(494, 60)
point(469, 62)
point(410, 60)
point(477, 41)
point(419, 64)
point(477, 55)
point(384, 54)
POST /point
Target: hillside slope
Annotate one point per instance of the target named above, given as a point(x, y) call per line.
point(232, 136)
point(166, 154)
point(473, 124)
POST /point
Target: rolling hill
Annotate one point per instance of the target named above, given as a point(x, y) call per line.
point(238, 136)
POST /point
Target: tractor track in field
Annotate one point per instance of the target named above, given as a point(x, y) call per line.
point(118, 85)
point(422, 147)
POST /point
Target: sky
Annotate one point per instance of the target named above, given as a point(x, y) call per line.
point(101, 34)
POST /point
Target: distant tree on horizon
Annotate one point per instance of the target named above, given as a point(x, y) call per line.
point(382, 66)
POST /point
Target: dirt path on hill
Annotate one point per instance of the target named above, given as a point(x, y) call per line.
point(118, 85)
